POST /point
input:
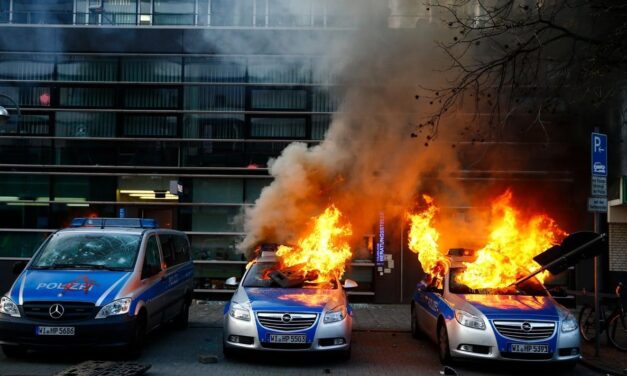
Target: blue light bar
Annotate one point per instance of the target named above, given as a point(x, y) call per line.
point(114, 222)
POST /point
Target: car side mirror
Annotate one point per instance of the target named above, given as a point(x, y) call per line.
point(231, 282)
point(18, 267)
point(350, 284)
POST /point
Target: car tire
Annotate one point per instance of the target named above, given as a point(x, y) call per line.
point(415, 329)
point(181, 321)
point(136, 347)
point(14, 351)
point(444, 350)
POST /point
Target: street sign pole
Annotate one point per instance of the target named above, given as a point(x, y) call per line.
point(597, 204)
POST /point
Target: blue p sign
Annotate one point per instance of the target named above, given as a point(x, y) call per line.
point(599, 154)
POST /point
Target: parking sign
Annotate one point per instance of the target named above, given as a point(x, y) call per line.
point(599, 154)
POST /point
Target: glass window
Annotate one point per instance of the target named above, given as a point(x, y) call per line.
point(150, 98)
point(214, 126)
point(86, 97)
point(181, 249)
point(215, 218)
point(174, 12)
point(24, 187)
point(43, 12)
point(117, 12)
point(319, 126)
point(26, 96)
point(19, 244)
point(231, 12)
point(267, 127)
point(289, 13)
point(151, 70)
point(80, 68)
point(253, 188)
point(35, 124)
point(274, 99)
point(85, 124)
point(150, 126)
point(27, 68)
point(218, 190)
point(88, 250)
point(152, 261)
point(5, 8)
point(324, 101)
point(167, 249)
point(287, 70)
point(210, 247)
point(215, 70)
point(215, 98)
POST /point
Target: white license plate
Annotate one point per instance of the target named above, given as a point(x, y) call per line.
point(531, 349)
point(288, 338)
point(55, 331)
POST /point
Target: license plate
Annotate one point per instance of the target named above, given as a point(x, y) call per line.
point(532, 349)
point(288, 338)
point(55, 331)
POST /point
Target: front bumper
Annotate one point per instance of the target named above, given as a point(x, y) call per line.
point(108, 332)
point(486, 346)
point(324, 333)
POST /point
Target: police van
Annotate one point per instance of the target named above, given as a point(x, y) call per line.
point(102, 282)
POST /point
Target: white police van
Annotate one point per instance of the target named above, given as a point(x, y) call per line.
point(102, 282)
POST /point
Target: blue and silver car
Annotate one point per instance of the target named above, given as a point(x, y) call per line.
point(518, 323)
point(101, 282)
point(264, 314)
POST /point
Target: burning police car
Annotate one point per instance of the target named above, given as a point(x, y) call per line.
point(280, 309)
point(521, 322)
point(102, 282)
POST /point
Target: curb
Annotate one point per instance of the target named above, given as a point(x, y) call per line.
point(595, 367)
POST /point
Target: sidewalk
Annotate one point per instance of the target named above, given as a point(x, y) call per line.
point(610, 361)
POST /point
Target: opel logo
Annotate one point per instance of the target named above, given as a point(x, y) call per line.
point(56, 311)
point(286, 318)
point(526, 327)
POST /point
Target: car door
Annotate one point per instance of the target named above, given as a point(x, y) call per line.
point(153, 281)
point(175, 294)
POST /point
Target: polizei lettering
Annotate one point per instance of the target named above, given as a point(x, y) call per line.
point(80, 284)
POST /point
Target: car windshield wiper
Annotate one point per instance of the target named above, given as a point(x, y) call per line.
point(81, 266)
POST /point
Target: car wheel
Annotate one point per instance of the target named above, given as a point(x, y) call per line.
point(14, 351)
point(444, 350)
point(136, 346)
point(181, 321)
point(415, 330)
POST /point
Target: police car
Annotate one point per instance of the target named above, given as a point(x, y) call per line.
point(271, 310)
point(518, 323)
point(100, 282)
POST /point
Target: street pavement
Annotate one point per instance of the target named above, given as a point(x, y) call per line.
point(382, 345)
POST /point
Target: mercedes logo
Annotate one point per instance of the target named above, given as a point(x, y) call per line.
point(286, 318)
point(56, 311)
point(526, 327)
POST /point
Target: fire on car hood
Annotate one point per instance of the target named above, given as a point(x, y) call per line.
point(499, 306)
point(305, 300)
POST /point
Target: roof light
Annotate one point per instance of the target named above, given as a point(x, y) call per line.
point(114, 222)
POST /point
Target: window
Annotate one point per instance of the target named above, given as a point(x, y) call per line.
point(289, 13)
point(80, 68)
point(214, 98)
point(43, 12)
point(167, 249)
point(278, 127)
point(86, 97)
point(215, 70)
point(181, 249)
point(231, 12)
point(174, 12)
point(150, 98)
point(151, 70)
point(27, 68)
point(150, 126)
point(152, 261)
point(274, 99)
point(85, 124)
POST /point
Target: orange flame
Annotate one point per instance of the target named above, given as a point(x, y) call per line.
point(423, 240)
point(324, 249)
point(508, 254)
point(511, 247)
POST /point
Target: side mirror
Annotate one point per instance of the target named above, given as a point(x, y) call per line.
point(231, 283)
point(349, 284)
point(18, 267)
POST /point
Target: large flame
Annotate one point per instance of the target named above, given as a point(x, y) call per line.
point(423, 239)
point(511, 247)
point(512, 243)
point(324, 250)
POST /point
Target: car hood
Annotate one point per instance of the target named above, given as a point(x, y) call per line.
point(93, 286)
point(309, 300)
point(512, 306)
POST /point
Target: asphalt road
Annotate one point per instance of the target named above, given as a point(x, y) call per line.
point(172, 352)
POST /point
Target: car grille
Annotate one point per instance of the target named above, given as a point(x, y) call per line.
point(525, 330)
point(288, 322)
point(71, 311)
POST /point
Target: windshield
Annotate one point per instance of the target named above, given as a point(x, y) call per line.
point(73, 250)
point(531, 287)
point(269, 274)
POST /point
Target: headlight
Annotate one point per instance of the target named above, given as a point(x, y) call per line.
point(117, 307)
point(239, 311)
point(471, 321)
point(569, 324)
point(334, 315)
point(8, 307)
